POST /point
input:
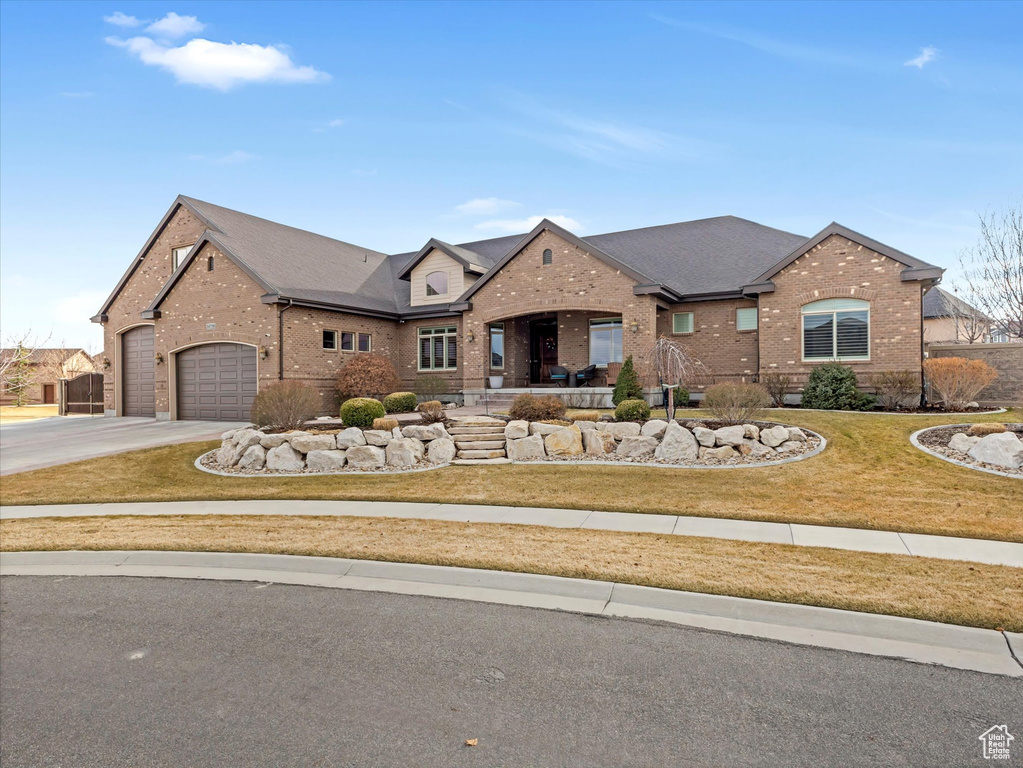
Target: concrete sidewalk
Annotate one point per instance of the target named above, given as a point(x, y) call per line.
point(855, 539)
point(980, 650)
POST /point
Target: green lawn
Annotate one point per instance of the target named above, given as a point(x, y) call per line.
point(868, 477)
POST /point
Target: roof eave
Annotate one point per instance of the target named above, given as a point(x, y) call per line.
point(278, 298)
point(757, 288)
point(657, 290)
point(922, 273)
point(440, 245)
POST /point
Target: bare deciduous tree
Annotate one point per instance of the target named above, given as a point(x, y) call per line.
point(675, 365)
point(18, 370)
point(992, 270)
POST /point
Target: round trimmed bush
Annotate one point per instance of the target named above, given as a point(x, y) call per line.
point(400, 402)
point(832, 386)
point(361, 411)
point(632, 410)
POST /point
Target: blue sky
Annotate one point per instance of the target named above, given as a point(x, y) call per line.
point(386, 124)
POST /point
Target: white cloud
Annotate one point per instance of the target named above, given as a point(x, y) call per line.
point(927, 54)
point(173, 25)
point(238, 156)
point(486, 206)
point(220, 65)
point(525, 225)
point(119, 19)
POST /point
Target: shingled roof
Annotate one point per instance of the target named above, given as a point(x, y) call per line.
point(941, 303)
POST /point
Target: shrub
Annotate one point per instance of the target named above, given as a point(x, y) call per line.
point(284, 405)
point(627, 386)
point(430, 386)
point(957, 380)
point(680, 396)
point(735, 402)
point(777, 385)
point(632, 410)
point(584, 416)
point(832, 386)
point(979, 430)
point(894, 388)
point(431, 411)
point(366, 376)
point(385, 424)
point(361, 412)
point(531, 408)
point(400, 402)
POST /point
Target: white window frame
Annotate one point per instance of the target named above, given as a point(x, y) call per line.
point(498, 329)
point(447, 283)
point(341, 341)
point(323, 340)
point(446, 332)
point(358, 342)
point(747, 310)
point(177, 253)
point(674, 323)
point(612, 322)
point(821, 308)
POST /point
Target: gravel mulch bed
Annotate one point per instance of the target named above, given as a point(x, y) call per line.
point(937, 439)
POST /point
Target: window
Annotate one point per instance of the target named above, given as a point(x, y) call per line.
point(497, 345)
point(330, 340)
point(548, 257)
point(209, 264)
point(682, 322)
point(438, 349)
point(347, 341)
point(437, 284)
point(178, 254)
point(365, 342)
point(836, 329)
point(606, 341)
point(746, 319)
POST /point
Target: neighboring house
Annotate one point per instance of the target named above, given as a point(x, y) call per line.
point(45, 367)
point(950, 320)
point(218, 303)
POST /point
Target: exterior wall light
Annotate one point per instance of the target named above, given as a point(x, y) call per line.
point(263, 352)
point(634, 326)
point(106, 363)
point(158, 357)
point(470, 337)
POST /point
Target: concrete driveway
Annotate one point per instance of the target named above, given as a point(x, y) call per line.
point(48, 442)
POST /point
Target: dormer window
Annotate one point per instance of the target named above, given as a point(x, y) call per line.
point(437, 284)
point(178, 255)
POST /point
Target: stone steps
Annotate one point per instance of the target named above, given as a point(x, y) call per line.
point(496, 453)
point(476, 462)
point(479, 440)
point(478, 436)
point(479, 445)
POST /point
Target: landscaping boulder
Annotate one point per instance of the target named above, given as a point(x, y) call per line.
point(774, 436)
point(406, 452)
point(326, 460)
point(539, 428)
point(704, 436)
point(365, 457)
point(678, 444)
point(1002, 449)
point(795, 433)
point(228, 454)
point(284, 458)
point(654, 428)
point(751, 431)
point(637, 447)
point(426, 431)
point(377, 436)
point(622, 429)
point(272, 441)
point(754, 448)
point(585, 425)
point(516, 430)
point(597, 443)
point(307, 443)
point(730, 436)
point(228, 435)
point(253, 458)
point(789, 445)
point(245, 438)
point(962, 443)
point(350, 438)
point(396, 433)
point(525, 448)
point(441, 451)
point(724, 452)
point(567, 441)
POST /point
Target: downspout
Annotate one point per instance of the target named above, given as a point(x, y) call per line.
point(280, 340)
point(923, 346)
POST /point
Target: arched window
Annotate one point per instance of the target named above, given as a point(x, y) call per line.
point(836, 329)
point(437, 284)
point(209, 264)
point(548, 257)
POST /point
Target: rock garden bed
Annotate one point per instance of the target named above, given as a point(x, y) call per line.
point(989, 447)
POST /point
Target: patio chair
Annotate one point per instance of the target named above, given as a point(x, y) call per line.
point(586, 375)
point(559, 375)
point(613, 369)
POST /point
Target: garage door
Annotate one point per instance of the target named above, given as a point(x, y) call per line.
point(216, 382)
point(138, 371)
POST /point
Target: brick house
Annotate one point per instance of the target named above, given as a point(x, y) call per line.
point(46, 366)
point(218, 303)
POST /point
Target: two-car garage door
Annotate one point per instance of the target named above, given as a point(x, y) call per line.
point(217, 382)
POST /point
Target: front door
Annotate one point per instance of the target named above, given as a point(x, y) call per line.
point(543, 349)
point(49, 394)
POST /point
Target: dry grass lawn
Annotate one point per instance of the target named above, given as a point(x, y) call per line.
point(869, 477)
point(12, 413)
point(938, 590)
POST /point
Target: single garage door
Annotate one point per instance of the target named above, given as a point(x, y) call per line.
point(138, 372)
point(216, 382)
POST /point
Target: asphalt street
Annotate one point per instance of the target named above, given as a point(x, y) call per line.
point(162, 672)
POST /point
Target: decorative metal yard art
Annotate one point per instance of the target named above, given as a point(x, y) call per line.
point(675, 366)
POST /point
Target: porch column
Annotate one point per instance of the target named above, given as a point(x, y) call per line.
point(642, 312)
point(475, 352)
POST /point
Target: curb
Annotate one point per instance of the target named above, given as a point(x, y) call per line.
point(915, 440)
point(925, 642)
